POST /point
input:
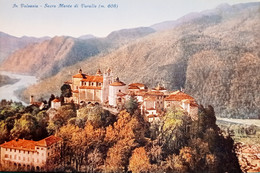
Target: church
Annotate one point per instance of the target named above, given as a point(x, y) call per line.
point(99, 88)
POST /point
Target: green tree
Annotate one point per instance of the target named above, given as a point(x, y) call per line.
point(4, 132)
point(131, 105)
point(66, 90)
point(25, 127)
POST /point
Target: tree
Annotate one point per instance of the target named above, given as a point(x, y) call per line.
point(172, 131)
point(52, 97)
point(4, 133)
point(131, 105)
point(139, 161)
point(61, 118)
point(95, 160)
point(25, 127)
point(118, 155)
point(66, 90)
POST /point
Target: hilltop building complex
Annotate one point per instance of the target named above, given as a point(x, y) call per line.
point(103, 88)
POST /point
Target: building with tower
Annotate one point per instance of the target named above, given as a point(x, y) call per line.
point(110, 92)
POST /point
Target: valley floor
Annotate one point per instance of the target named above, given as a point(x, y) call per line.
point(247, 143)
point(249, 122)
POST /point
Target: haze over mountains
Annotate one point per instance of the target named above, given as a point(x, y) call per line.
point(9, 44)
point(214, 55)
point(47, 58)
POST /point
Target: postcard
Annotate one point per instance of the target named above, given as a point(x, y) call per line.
point(129, 86)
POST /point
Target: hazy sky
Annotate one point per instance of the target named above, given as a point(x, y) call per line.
point(99, 22)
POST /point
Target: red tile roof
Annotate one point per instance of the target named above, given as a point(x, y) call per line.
point(156, 93)
point(93, 79)
point(29, 145)
point(80, 75)
point(117, 83)
point(21, 144)
point(179, 96)
point(133, 87)
point(90, 87)
point(48, 141)
point(136, 85)
point(56, 100)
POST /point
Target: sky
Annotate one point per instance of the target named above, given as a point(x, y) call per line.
point(77, 21)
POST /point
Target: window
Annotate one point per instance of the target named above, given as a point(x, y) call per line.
point(41, 148)
point(28, 152)
point(37, 148)
point(23, 158)
point(28, 159)
point(10, 156)
point(6, 155)
point(37, 160)
point(14, 156)
point(10, 149)
point(19, 158)
point(42, 154)
point(14, 150)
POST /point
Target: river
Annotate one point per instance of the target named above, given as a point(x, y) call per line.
point(8, 91)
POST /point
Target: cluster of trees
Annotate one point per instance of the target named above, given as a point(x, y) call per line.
point(18, 121)
point(94, 140)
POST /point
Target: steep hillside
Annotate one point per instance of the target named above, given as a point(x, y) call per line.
point(214, 57)
point(47, 58)
point(9, 44)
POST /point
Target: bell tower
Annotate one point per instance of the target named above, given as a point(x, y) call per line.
point(107, 79)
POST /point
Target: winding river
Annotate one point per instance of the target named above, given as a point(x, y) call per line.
point(8, 91)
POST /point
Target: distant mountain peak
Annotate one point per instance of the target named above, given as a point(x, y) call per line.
point(85, 37)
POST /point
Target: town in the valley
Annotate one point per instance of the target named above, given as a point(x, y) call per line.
point(104, 89)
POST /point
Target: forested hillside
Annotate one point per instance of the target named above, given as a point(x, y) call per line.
point(95, 140)
point(215, 57)
point(47, 58)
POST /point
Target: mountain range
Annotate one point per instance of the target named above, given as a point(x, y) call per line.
point(214, 55)
point(46, 58)
point(9, 44)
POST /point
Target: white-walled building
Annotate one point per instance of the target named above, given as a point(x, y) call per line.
point(179, 98)
point(28, 154)
point(117, 89)
point(56, 103)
